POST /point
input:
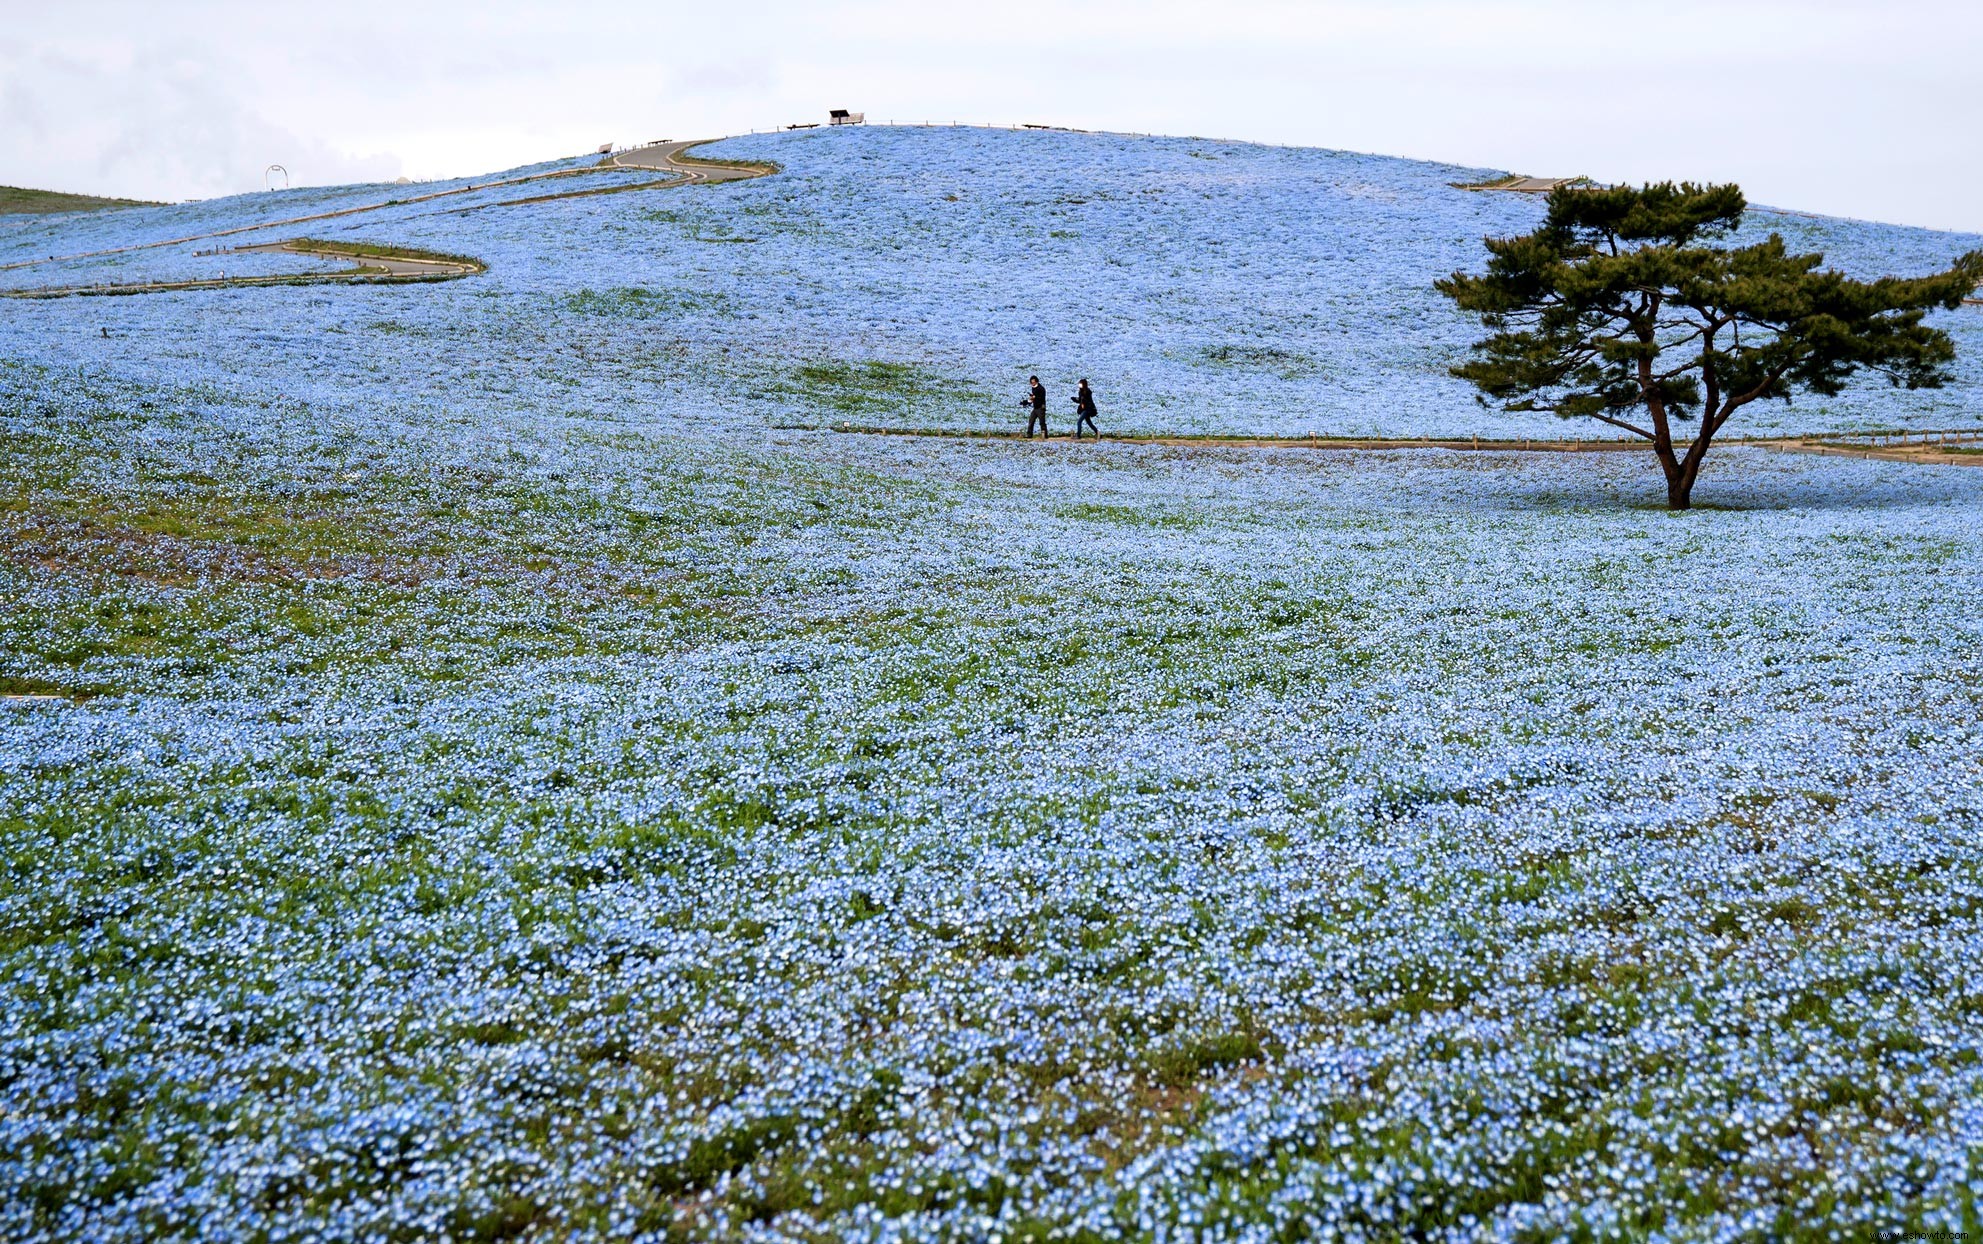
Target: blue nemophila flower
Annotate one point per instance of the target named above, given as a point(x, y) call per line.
point(514, 786)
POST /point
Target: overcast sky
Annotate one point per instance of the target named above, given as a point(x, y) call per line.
point(1859, 109)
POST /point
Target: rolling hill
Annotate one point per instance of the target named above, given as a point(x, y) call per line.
point(1203, 286)
point(479, 759)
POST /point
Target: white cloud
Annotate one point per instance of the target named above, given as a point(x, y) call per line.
point(1856, 108)
point(158, 123)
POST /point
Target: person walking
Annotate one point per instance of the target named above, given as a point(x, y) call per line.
point(1084, 411)
point(1036, 397)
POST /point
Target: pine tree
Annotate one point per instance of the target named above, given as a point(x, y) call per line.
point(1621, 309)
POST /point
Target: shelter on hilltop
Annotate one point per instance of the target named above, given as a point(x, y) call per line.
point(1525, 185)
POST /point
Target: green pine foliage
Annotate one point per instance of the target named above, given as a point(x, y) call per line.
point(1628, 307)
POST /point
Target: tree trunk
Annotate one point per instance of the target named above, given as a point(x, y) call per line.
point(1679, 475)
point(1679, 490)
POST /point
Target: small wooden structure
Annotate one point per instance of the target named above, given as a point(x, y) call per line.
point(1519, 184)
point(1539, 185)
point(840, 116)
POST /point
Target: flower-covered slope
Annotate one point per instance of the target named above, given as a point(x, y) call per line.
point(1202, 286)
point(501, 784)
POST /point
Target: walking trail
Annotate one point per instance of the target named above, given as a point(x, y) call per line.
point(1947, 447)
point(389, 265)
point(370, 266)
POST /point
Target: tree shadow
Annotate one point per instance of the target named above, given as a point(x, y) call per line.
point(1752, 481)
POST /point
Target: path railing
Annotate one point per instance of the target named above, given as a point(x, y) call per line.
point(1900, 438)
point(1033, 126)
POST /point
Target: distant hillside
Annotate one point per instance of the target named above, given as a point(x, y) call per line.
point(913, 278)
point(20, 201)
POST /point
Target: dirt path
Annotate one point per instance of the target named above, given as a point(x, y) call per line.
point(367, 269)
point(1275, 442)
point(1961, 447)
point(1939, 452)
point(667, 157)
point(663, 157)
point(300, 220)
point(389, 265)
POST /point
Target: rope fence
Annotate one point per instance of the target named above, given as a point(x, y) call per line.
point(1903, 438)
point(1030, 126)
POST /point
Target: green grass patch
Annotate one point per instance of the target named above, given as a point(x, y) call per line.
point(1242, 357)
point(20, 685)
point(635, 302)
point(1167, 519)
point(1180, 1065)
point(873, 387)
point(375, 250)
point(21, 201)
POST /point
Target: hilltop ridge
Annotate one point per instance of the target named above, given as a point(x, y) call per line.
point(1207, 287)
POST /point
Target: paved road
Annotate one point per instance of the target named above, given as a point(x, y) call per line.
point(662, 158)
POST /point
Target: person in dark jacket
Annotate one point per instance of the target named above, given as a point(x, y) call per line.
point(1084, 411)
point(1037, 399)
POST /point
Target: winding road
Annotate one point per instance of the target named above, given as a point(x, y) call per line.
point(367, 269)
point(387, 265)
point(667, 157)
point(673, 157)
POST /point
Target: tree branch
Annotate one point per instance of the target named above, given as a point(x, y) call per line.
point(1769, 382)
point(1620, 423)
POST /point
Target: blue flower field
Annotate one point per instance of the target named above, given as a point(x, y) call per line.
point(487, 761)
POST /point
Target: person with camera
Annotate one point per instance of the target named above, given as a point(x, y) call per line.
point(1084, 411)
point(1037, 399)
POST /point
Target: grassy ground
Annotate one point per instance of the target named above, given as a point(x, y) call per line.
point(504, 782)
point(720, 834)
point(19, 200)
